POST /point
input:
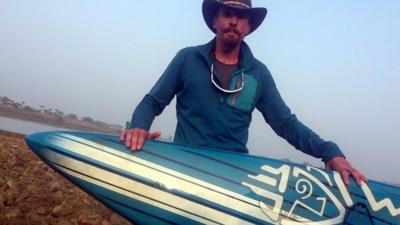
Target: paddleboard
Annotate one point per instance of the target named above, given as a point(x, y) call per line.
point(165, 183)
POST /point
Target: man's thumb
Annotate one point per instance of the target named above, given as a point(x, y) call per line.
point(154, 135)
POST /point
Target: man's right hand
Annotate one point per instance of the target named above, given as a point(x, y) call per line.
point(134, 138)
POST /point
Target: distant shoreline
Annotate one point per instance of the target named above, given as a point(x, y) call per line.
point(11, 134)
point(62, 122)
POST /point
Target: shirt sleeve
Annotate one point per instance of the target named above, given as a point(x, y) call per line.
point(278, 115)
point(159, 96)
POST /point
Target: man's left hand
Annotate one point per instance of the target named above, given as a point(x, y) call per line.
point(341, 165)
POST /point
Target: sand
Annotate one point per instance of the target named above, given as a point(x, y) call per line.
point(32, 193)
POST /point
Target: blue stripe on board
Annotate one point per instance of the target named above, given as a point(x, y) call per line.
point(138, 210)
point(235, 213)
point(222, 162)
point(192, 167)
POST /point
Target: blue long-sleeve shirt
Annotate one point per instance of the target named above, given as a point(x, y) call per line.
point(209, 117)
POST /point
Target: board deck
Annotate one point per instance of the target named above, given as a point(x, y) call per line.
point(166, 183)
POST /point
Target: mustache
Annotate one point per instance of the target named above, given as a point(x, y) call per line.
point(231, 29)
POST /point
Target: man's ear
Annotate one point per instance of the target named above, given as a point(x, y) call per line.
point(248, 31)
point(249, 28)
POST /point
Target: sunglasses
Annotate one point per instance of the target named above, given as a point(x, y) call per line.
point(223, 89)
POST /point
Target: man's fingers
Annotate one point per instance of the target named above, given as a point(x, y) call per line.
point(141, 138)
point(122, 135)
point(345, 176)
point(128, 138)
point(154, 135)
point(341, 165)
point(328, 167)
point(135, 137)
point(364, 178)
point(357, 176)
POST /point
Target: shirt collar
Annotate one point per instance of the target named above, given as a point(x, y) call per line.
point(246, 60)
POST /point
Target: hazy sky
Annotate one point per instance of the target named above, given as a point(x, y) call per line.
point(336, 63)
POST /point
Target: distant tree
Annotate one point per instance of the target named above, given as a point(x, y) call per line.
point(6, 100)
point(58, 112)
point(48, 112)
point(87, 119)
point(29, 109)
point(71, 116)
point(100, 124)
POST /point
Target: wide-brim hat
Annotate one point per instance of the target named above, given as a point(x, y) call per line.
point(256, 15)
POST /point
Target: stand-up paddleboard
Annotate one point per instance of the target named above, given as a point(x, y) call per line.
point(171, 184)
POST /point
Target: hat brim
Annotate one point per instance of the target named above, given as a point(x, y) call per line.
point(210, 7)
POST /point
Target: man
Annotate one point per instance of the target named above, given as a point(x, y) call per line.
point(218, 85)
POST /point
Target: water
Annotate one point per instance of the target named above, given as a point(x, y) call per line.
point(25, 127)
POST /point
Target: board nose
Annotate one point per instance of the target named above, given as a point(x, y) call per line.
point(35, 142)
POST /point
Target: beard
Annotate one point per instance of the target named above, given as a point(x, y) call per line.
point(230, 36)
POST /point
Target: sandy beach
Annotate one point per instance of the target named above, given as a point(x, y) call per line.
point(31, 193)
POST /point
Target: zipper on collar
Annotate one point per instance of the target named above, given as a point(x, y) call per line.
point(221, 102)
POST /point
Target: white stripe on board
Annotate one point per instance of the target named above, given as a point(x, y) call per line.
point(324, 174)
point(181, 207)
point(170, 178)
point(384, 203)
point(264, 179)
point(343, 189)
point(336, 220)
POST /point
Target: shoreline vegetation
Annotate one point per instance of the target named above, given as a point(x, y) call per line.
point(53, 117)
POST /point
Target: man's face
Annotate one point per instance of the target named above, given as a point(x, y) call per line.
point(231, 25)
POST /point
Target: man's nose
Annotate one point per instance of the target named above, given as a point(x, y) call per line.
point(233, 20)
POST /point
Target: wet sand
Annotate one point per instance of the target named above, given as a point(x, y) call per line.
point(31, 193)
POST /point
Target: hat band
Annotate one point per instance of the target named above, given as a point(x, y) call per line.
point(236, 3)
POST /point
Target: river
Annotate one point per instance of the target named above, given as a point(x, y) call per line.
point(25, 127)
